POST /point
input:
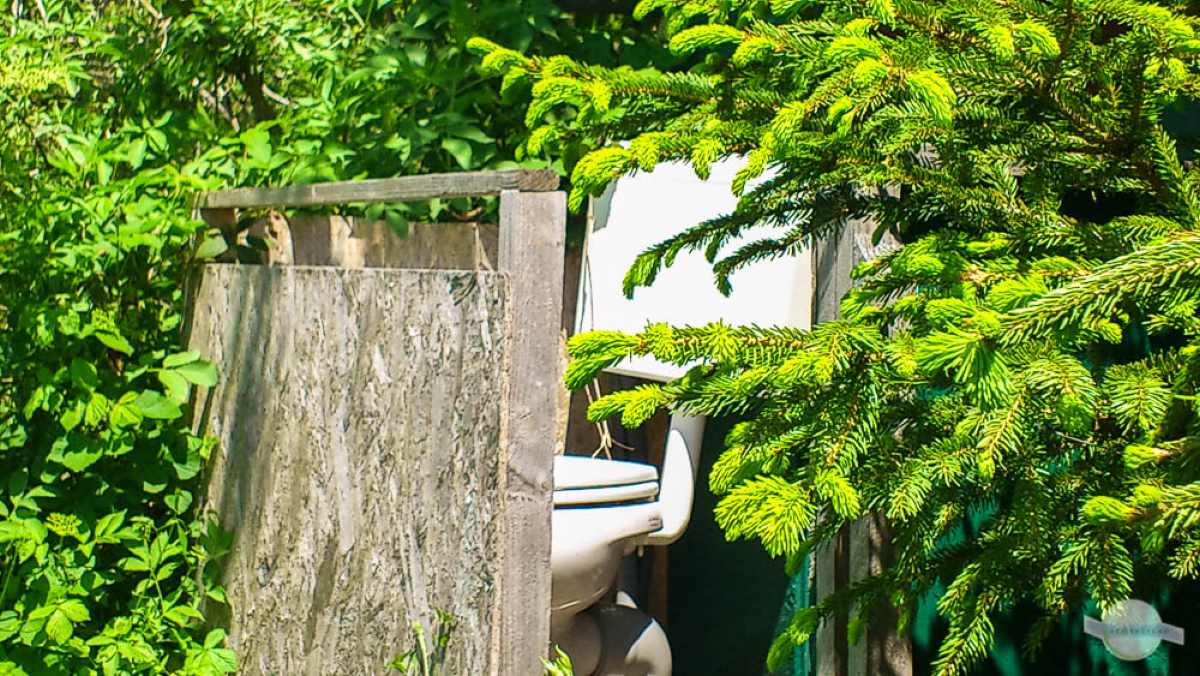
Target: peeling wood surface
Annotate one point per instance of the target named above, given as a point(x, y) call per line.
point(399, 189)
point(359, 418)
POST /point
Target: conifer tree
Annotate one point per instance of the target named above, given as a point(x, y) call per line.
point(1031, 354)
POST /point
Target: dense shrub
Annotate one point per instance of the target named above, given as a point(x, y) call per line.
point(115, 115)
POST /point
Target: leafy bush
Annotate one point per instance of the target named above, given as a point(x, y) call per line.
point(115, 115)
point(1029, 356)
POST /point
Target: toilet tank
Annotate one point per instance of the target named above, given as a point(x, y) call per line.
point(643, 209)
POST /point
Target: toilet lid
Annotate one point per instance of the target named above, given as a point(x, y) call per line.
point(580, 480)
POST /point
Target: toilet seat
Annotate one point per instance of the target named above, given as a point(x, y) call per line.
point(580, 480)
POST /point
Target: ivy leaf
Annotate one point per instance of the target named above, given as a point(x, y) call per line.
point(190, 467)
point(155, 406)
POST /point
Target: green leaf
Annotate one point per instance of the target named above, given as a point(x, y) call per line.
point(71, 418)
point(35, 402)
point(60, 624)
point(10, 624)
point(155, 406)
point(114, 341)
point(125, 413)
point(212, 660)
point(108, 527)
point(83, 374)
point(460, 150)
point(79, 458)
point(96, 409)
point(176, 386)
point(75, 610)
point(199, 372)
point(211, 247)
point(180, 358)
point(183, 616)
point(179, 501)
point(190, 467)
point(136, 153)
point(257, 141)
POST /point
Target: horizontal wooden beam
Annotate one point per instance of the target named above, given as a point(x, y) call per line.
point(400, 189)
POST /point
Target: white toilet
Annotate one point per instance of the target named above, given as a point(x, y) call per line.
point(603, 510)
point(606, 509)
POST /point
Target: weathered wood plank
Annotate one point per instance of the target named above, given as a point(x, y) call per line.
point(359, 419)
point(532, 232)
point(833, 259)
point(884, 651)
point(863, 549)
point(399, 189)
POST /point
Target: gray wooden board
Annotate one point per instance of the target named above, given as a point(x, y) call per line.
point(349, 242)
point(399, 189)
point(864, 548)
point(532, 230)
point(359, 417)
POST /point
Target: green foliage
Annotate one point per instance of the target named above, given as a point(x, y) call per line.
point(115, 116)
point(561, 666)
point(1030, 356)
point(425, 659)
point(107, 566)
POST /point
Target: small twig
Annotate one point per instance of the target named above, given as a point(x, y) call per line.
point(213, 102)
point(606, 437)
point(275, 96)
point(153, 12)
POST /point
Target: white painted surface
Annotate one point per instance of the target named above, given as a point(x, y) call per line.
point(647, 208)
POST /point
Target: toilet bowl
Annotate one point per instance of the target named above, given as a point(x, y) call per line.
point(603, 511)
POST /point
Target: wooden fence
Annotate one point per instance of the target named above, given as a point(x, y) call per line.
point(386, 434)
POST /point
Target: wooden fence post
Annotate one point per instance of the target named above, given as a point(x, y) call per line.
point(863, 548)
point(532, 238)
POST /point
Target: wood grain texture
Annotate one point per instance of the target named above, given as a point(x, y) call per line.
point(833, 259)
point(864, 548)
point(359, 418)
point(349, 242)
point(532, 231)
point(399, 189)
